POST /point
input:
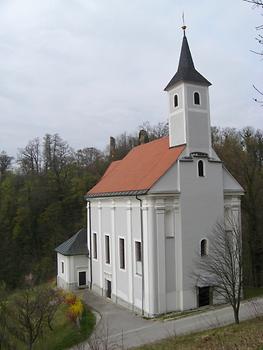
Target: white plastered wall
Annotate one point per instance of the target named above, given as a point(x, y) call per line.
point(119, 218)
point(189, 123)
point(72, 266)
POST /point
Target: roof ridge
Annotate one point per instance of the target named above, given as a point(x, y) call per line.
point(139, 169)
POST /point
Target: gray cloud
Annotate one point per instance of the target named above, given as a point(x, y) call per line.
point(89, 69)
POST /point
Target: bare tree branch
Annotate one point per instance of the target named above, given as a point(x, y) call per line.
point(255, 2)
point(222, 267)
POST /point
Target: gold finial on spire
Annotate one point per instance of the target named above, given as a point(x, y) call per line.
point(184, 26)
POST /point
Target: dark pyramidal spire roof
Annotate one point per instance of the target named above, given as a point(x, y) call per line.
point(75, 245)
point(186, 70)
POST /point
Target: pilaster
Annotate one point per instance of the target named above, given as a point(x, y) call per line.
point(161, 273)
point(113, 248)
point(129, 251)
point(178, 257)
point(100, 244)
point(150, 260)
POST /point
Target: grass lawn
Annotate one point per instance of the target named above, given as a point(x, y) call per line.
point(65, 334)
point(246, 335)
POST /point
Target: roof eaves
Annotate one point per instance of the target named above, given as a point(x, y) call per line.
point(73, 254)
point(116, 194)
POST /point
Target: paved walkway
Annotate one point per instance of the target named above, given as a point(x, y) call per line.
point(121, 328)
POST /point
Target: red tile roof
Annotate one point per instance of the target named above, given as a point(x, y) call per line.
point(139, 170)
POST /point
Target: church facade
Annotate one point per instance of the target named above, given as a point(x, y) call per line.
point(151, 213)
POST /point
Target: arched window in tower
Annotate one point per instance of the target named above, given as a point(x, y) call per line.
point(201, 170)
point(176, 100)
point(204, 247)
point(196, 98)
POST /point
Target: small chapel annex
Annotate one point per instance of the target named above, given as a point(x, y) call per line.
point(151, 212)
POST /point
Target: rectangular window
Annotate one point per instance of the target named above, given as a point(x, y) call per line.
point(122, 253)
point(138, 251)
point(95, 248)
point(138, 257)
point(62, 267)
point(107, 249)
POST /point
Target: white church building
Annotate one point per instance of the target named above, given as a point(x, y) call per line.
point(151, 213)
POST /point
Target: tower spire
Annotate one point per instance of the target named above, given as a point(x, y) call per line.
point(186, 70)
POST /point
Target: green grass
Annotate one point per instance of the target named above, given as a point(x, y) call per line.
point(246, 335)
point(65, 334)
point(252, 292)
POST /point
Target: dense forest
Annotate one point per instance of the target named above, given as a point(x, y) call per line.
point(42, 197)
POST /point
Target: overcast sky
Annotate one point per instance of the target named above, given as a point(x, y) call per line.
point(89, 69)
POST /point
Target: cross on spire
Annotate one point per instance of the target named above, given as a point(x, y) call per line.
point(184, 26)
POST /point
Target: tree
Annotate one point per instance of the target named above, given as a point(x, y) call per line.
point(259, 38)
point(56, 154)
point(155, 131)
point(242, 152)
point(5, 341)
point(29, 158)
point(31, 312)
point(5, 162)
point(222, 266)
point(255, 2)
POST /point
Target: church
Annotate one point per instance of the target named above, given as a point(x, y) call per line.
point(151, 213)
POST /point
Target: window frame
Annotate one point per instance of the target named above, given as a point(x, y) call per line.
point(122, 255)
point(175, 99)
point(204, 248)
point(138, 257)
point(95, 246)
point(107, 249)
point(62, 267)
point(138, 252)
point(197, 93)
point(200, 161)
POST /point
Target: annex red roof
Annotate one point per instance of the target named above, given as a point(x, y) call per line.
point(139, 170)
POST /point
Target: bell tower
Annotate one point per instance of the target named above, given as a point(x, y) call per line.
point(189, 110)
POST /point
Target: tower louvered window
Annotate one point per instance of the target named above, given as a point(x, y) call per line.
point(196, 98)
point(175, 100)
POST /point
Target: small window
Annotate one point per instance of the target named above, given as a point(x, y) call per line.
point(175, 100)
point(138, 258)
point(62, 267)
point(196, 98)
point(201, 172)
point(122, 253)
point(204, 250)
point(95, 248)
point(138, 251)
point(107, 249)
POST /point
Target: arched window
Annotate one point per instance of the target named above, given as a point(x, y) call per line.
point(196, 98)
point(175, 100)
point(204, 248)
point(201, 171)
